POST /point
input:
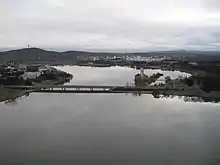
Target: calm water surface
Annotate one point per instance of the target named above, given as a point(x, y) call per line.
point(108, 129)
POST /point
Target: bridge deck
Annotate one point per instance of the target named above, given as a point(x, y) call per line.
point(92, 88)
point(62, 86)
point(92, 91)
point(106, 89)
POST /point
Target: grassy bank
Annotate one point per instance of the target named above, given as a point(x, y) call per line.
point(8, 94)
point(55, 77)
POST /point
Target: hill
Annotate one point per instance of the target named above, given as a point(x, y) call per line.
point(36, 55)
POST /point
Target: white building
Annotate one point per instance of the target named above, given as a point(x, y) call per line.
point(46, 68)
point(22, 67)
point(31, 75)
point(193, 63)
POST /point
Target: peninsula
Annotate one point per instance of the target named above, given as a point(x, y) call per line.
point(22, 75)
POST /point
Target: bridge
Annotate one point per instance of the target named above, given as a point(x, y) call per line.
point(92, 89)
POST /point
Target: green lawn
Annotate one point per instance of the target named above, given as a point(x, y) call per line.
point(7, 94)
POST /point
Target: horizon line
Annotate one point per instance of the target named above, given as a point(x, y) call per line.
point(118, 51)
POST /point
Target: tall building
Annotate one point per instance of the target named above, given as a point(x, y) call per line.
point(142, 72)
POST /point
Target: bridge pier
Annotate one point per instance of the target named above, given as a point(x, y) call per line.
point(63, 89)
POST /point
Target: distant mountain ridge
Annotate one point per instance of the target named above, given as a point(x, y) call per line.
point(35, 54)
point(41, 55)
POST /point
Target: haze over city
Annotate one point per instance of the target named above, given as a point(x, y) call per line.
point(116, 25)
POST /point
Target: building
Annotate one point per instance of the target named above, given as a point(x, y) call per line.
point(46, 68)
point(22, 67)
point(193, 63)
point(33, 68)
point(31, 75)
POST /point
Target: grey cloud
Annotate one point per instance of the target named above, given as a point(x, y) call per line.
point(78, 24)
point(212, 5)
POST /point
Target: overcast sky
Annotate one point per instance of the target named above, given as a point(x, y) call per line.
point(126, 25)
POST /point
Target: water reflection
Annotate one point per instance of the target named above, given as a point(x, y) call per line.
point(12, 102)
point(15, 101)
point(189, 98)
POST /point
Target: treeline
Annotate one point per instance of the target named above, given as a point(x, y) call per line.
point(12, 77)
point(53, 76)
point(207, 83)
point(209, 80)
point(210, 67)
point(143, 80)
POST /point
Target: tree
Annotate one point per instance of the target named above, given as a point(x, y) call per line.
point(189, 82)
point(167, 79)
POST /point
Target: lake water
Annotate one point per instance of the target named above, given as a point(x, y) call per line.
point(112, 75)
point(108, 129)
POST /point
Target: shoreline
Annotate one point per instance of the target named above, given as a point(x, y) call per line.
point(11, 94)
point(7, 94)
